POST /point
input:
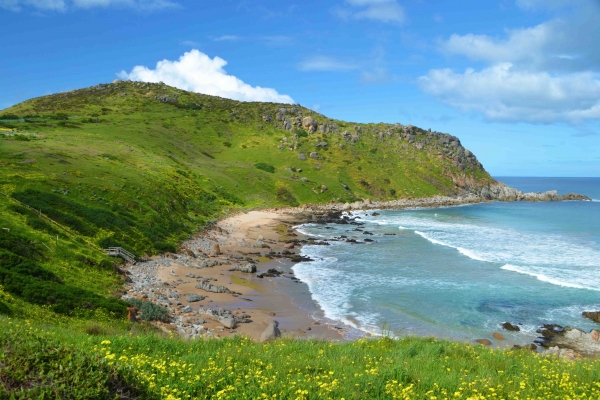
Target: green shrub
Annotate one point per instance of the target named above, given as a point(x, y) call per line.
point(149, 310)
point(393, 192)
point(165, 247)
point(301, 133)
point(22, 138)
point(265, 167)
point(9, 116)
point(227, 144)
point(284, 196)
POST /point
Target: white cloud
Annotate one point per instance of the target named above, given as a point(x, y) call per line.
point(544, 73)
point(62, 5)
point(388, 11)
point(502, 93)
point(324, 63)
point(197, 72)
point(226, 38)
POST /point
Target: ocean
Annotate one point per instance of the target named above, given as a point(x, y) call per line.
point(460, 272)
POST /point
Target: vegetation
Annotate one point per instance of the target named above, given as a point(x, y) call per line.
point(146, 366)
point(125, 165)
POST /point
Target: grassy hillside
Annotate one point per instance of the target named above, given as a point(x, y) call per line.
point(142, 166)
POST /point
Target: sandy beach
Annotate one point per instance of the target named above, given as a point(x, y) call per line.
point(253, 238)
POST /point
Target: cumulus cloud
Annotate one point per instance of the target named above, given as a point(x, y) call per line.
point(542, 74)
point(62, 5)
point(197, 72)
point(325, 63)
point(502, 93)
point(388, 11)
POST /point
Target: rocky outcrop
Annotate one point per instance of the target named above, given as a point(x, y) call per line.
point(271, 333)
point(309, 124)
point(587, 344)
point(247, 268)
point(500, 191)
point(205, 285)
point(593, 315)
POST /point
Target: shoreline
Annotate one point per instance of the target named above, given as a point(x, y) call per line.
point(266, 240)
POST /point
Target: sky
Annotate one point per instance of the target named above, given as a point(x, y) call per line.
point(518, 81)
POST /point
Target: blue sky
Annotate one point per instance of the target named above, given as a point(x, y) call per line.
point(517, 81)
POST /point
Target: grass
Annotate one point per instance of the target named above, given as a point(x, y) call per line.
point(168, 368)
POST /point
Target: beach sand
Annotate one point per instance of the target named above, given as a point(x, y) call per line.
point(240, 239)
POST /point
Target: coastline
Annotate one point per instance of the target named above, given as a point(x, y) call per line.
point(267, 240)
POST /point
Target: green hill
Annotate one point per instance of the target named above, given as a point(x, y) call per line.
point(142, 166)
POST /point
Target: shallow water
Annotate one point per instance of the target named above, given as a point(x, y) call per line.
point(460, 272)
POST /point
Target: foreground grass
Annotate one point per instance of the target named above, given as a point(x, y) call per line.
point(146, 366)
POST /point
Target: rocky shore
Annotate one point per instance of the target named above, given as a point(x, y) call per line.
point(222, 282)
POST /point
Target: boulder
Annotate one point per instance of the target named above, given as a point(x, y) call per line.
point(302, 156)
point(309, 124)
point(287, 124)
point(510, 327)
point(248, 268)
point(271, 333)
point(593, 315)
point(228, 322)
point(314, 155)
point(485, 342)
point(303, 179)
point(216, 249)
point(498, 336)
point(288, 246)
point(322, 144)
point(186, 309)
point(192, 297)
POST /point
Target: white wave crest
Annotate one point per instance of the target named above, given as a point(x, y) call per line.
point(560, 278)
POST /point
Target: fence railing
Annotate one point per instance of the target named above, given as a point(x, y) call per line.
point(120, 252)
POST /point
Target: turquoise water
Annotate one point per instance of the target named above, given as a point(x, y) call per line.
point(460, 272)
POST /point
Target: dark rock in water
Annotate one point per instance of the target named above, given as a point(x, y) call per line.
point(570, 338)
point(485, 342)
point(369, 240)
point(271, 273)
point(367, 233)
point(593, 315)
point(375, 214)
point(510, 327)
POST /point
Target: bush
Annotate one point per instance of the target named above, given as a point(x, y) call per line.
point(150, 311)
point(227, 144)
point(301, 133)
point(265, 167)
point(393, 192)
point(165, 247)
point(22, 138)
point(284, 196)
